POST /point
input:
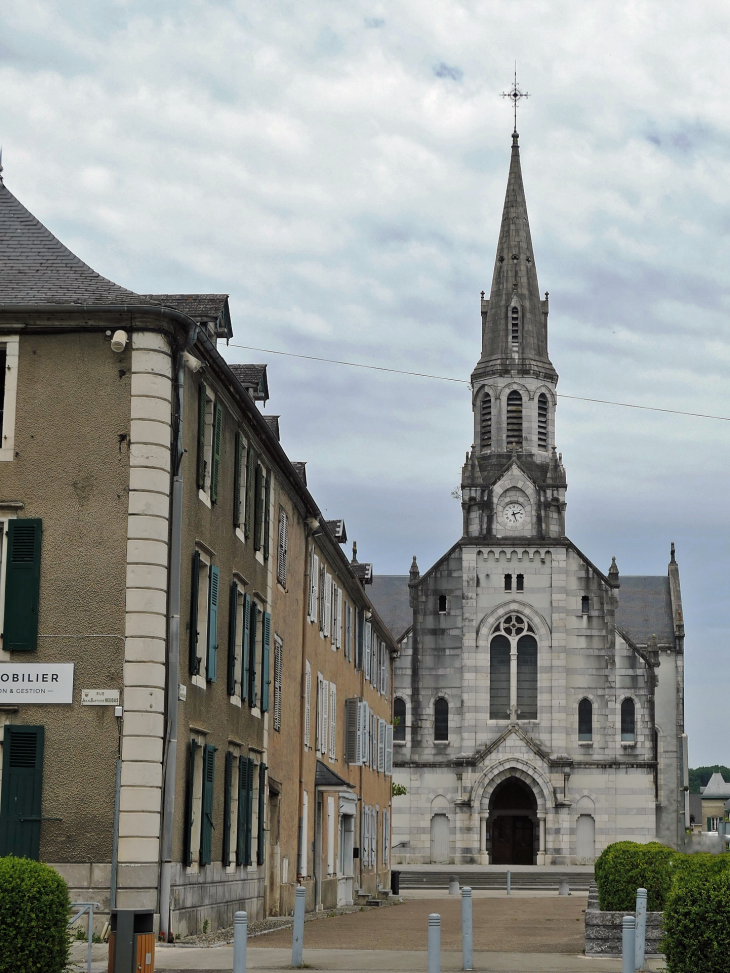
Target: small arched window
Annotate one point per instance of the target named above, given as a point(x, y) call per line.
point(486, 420)
point(441, 719)
point(542, 421)
point(585, 604)
point(585, 720)
point(443, 606)
point(514, 419)
point(515, 323)
point(628, 721)
point(399, 716)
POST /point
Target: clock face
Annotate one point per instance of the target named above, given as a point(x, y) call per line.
point(514, 513)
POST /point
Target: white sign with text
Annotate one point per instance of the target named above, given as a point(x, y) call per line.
point(34, 682)
point(100, 697)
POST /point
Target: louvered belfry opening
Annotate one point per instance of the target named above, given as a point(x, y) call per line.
point(514, 419)
point(486, 421)
point(542, 421)
point(515, 323)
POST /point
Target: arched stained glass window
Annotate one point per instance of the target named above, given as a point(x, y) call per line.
point(585, 720)
point(441, 719)
point(628, 720)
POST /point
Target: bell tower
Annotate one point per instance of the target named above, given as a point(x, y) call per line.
point(514, 393)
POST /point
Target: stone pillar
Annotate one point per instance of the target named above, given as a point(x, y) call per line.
point(541, 815)
point(483, 853)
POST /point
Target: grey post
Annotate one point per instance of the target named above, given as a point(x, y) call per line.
point(467, 938)
point(453, 885)
point(240, 932)
point(297, 949)
point(434, 943)
point(628, 945)
point(564, 888)
point(640, 929)
point(509, 882)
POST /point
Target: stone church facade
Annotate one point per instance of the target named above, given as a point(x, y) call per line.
point(539, 700)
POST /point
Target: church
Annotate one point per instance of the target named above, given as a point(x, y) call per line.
point(539, 702)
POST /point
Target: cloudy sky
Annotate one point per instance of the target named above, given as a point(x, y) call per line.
point(339, 169)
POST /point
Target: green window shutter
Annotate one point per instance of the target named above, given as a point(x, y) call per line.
point(242, 807)
point(245, 646)
point(22, 585)
point(265, 663)
point(249, 811)
point(262, 807)
point(194, 661)
point(267, 514)
point(216, 466)
point(206, 824)
point(227, 801)
point(252, 654)
point(202, 402)
point(258, 513)
point(232, 613)
point(212, 660)
point(250, 477)
point(237, 474)
point(22, 785)
point(188, 850)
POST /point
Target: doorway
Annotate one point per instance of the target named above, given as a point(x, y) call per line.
point(439, 839)
point(513, 823)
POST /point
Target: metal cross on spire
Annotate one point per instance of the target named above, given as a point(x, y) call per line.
point(516, 95)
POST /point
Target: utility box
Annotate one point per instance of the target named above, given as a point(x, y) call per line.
point(132, 941)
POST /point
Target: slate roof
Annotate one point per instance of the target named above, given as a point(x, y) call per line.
point(324, 776)
point(199, 307)
point(338, 530)
point(301, 470)
point(36, 268)
point(718, 789)
point(253, 377)
point(645, 608)
point(273, 423)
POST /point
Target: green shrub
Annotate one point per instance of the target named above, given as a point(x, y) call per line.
point(34, 909)
point(688, 869)
point(626, 866)
point(697, 923)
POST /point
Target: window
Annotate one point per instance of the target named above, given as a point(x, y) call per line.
point(251, 467)
point(22, 583)
point(322, 714)
point(229, 833)
point(333, 722)
point(399, 717)
point(206, 822)
point(499, 678)
point(389, 750)
point(508, 582)
point(514, 419)
point(520, 582)
point(278, 669)
point(244, 822)
point(381, 746)
point(307, 704)
point(199, 620)
point(442, 604)
point(542, 421)
point(628, 721)
point(215, 469)
point(354, 716)
point(9, 351)
point(513, 670)
point(207, 418)
point(386, 837)
point(527, 678)
point(368, 641)
point(585, 604)
point(348, 631)
point(198, 798)
point(515, 323)
point(211, 659)
point(260, 823)
point(265, 661)
point(235, 639)
point(441, 719)
point(585, 721)
point(22, 782)
point(486, 419)
point(259, 509)
point(282, 547)
point(239, 482)
point(313, 581)
point(253, 618)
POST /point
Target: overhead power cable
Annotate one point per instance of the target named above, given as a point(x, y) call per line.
point(462, 381)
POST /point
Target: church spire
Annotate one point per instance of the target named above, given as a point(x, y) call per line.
point(515, 317)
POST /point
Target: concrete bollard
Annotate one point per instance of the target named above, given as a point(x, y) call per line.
point(640, 935)
point(509, 882)
point(454, 885)
point(564, 888)
point(240, 933)
point(297, 949)
point(628, 945)
point(467, 936)
point(434, 943)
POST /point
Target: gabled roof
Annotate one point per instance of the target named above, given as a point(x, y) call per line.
point(389, 594)
point(36, 268)
point(324, 776)
point(717, 789)
point(338, 531)
point(203, 308)
point(254, 379)
point(645, 608)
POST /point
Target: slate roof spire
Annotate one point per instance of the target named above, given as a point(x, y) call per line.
point(514, 284)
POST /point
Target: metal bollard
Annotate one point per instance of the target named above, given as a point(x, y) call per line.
point(434, 943)
point(454, 885)
point(240, 932)
point(467, 937)
point(640, 948)
point(628, 945)
point(297, 949)
point(509, 882)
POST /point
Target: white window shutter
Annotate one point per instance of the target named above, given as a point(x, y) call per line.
point(381, 746)
point(322, 598)
point(318, 715)
point(359, 743)
point(307, 704)
point(324, 739)
point(333, 721)
point(368, 635)
point(283, 545)
point(328, 604)
point(313, 582)
point(386, 837)
point(389, 749)
point(365, 718)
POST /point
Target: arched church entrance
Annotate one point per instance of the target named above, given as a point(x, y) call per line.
point(513, 823)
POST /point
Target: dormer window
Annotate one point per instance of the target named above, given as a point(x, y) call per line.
point(515, 323)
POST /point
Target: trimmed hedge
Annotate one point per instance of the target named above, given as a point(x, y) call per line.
point(697, 923)
point(34, 910)
point(626, 866)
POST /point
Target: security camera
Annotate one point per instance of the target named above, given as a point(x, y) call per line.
point(119, 341)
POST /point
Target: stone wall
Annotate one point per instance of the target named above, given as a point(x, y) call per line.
point(604, 929)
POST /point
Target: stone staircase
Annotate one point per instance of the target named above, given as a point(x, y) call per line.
point(537, 878)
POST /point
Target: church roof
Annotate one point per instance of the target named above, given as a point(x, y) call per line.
point(644, 607)
point(515, 274)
